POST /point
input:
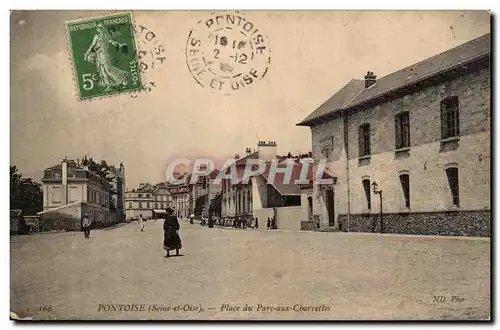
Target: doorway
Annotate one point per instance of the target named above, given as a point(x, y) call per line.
point(330, 207)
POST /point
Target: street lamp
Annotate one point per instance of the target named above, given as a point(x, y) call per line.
point(379, 192)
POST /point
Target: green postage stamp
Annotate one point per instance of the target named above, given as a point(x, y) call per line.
point(104, 55)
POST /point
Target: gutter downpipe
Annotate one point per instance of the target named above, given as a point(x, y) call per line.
point(346, 144)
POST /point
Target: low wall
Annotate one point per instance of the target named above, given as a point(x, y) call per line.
point(290, 217)
point(59, 221)
point(262, 215)
point(450, 223)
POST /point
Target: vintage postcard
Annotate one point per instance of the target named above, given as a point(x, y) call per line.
point(250, 165)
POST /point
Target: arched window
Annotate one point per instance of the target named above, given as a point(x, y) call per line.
point(310, 208)
point(405, 185)
point(368, 193)
point(452, 174)
point(130, 205)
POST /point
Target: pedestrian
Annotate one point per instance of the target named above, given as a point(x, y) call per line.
point(191, 219)
point(268, 223)
point(273, 223)
point(256, 223)
point(171, 238)
point(141, 222)
point(86, 223)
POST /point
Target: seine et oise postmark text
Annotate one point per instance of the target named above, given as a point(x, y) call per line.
point(226, 52)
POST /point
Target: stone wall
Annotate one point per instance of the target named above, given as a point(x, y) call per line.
point(308, 225)
point(452, 223)
point(59, 221)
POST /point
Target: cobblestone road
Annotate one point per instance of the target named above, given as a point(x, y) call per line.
point(280, 274)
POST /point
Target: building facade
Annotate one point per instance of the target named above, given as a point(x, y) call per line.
point(145, 199)
point(261, 197)
point(69, 185)
point(421, 136)
point(237, 197)
point(182, 201)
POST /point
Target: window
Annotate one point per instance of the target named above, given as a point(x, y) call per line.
point(156, 205)
point(147, 205)
point(140, 205)
point(449, 118)
point(57, 175)
point(366, 186)
point(402, 121)
point(452, 174)
point(310, 209)
point(405, 185)
point(364, 140)
point(140, 195)
point(130, 205)
point(56, 194)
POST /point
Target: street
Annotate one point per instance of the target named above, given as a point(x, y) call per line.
point(121, 274)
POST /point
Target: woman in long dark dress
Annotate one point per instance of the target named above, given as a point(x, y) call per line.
point(171, 239)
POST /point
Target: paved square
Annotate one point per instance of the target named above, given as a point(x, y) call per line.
point(315, 275)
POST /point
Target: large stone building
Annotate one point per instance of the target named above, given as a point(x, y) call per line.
point(146, 199)
point(71, 189)
point(421, 135)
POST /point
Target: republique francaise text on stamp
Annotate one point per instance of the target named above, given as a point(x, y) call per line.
point(104, 55)
point(227, 52)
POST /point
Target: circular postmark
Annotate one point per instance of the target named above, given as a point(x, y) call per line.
point(226, 52)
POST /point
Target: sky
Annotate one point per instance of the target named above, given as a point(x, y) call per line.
point(313, 54)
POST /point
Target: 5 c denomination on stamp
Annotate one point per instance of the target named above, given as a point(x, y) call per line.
point(226, 52)
point(104, 55)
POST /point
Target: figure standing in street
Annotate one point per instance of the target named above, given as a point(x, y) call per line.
point(86, 223)
point(141, 222)
point(191, 219)
point(256, 223)
point(171, 239)
point(268, 223)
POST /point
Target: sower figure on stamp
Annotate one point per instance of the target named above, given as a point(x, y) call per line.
point(86, 223)
point(171, 238)
point(98, 53)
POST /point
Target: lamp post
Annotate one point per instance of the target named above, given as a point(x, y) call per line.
point(379, 192)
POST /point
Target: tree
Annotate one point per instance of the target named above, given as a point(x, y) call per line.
point(25, 193)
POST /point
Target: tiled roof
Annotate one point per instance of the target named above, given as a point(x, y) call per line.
point(453, 58)
point(339, 99)
point(289, 187)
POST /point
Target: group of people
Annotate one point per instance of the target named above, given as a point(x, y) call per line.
point(171, 238)
point(243, 222)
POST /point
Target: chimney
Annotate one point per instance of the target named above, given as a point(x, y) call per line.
point(236, 156)
point(248, 151)
point(370, 79)
point(267, 150)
